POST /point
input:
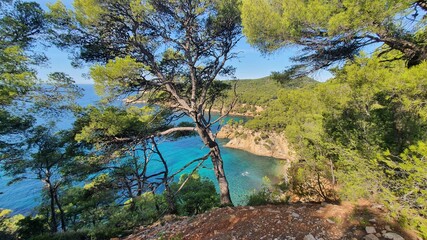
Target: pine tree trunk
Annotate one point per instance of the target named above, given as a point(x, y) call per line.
point(220, 176)
point(53, 222)
point(62, 214)
point(208, 139)
point(170, 200)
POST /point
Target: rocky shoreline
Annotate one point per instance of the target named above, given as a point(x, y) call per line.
point(268, 144)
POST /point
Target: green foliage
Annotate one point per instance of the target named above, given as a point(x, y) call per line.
point(29, 227)
point(116, 74)
point(258, 198)
point(95, 211)
point(144, 209)
point(113, 122)
point(259, 92)
point(97, 216)
point(255, 92)
point(71, 235)
point(407, 181)
point(196, 196)
point(9, 225)
point(384, 107)
point(359, 135)
point(176, 60)
point(16, 78)
point(46, 160)
point(58, 93)
point(288, 20)
point(125, 145)
point(312, 180)
point(24, 97)
point(268, 194)
point(299, 111)
point(91, 205)
point(330, 31)
point(357, 176)
point(125, 70)
point(363, 133)
point(20, 24)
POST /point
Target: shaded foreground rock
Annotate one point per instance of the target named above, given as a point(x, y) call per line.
point(370, 230)
point(309, 237)
point(393, 236)
point(371, 237)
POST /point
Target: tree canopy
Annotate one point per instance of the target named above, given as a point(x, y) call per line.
point(26, 149)
point(22, 94)
point(332, 31)
point(171, 50)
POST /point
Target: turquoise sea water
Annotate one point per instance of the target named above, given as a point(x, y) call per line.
point(244, 171)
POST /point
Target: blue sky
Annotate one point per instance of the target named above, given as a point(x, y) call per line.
point(250, 63)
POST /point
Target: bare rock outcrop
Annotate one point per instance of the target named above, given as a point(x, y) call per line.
point(262, 143)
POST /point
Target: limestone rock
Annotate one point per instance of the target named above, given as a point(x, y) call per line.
point(393, 236)
point(370, 230)
point(270, 144)
point(370, 237)
point(309, 237)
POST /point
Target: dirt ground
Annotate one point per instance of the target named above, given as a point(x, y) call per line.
point(307, 221)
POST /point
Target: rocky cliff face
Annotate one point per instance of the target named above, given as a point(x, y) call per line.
point(270, 144)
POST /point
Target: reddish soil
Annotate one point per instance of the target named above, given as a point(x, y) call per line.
point(293, 221)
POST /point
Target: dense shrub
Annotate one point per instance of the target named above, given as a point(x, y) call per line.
point(196, 196)
point(9, 224)
point(258, 198)
point(64, 236)
point(268, 194)
point(32, 226)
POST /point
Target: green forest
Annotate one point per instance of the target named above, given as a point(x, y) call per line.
point(364, 131)
point(360, 135)
point(252, 96)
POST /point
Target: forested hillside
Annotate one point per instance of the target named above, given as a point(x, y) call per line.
point(253, 95)
point(362, 132)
